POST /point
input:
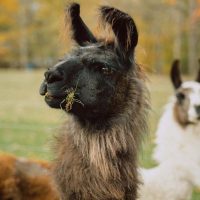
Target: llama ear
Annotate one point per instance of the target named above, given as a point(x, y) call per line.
point(124, 29)
point(198, 75)
point(175, 74)
point(80, 32)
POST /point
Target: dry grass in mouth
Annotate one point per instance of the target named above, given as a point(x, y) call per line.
point(70, 99)
point(47, 95)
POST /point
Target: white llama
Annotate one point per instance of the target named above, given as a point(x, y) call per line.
point(178, 133)
point(177, 145)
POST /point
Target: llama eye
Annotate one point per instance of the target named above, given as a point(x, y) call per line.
point(180, 96)
point(107, 71)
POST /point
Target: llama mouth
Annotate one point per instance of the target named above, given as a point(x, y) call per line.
point(53, 101)
point(193, 123)
point(49, 96)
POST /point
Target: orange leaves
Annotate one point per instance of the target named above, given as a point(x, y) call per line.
point(171, 2)
point(9, 5)
point(197, 13)
point(7, 9)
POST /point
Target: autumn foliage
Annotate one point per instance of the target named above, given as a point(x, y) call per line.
point(29, 31)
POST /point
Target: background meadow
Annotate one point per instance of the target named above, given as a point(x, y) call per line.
point(28, 125)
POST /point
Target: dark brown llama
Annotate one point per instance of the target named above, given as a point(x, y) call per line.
point(102, 88)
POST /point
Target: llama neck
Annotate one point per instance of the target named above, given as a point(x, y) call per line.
point(168, 128)
point(159, 181)
point(180, 172)
point(102, 148)
point(182, 141)
point(107, 149)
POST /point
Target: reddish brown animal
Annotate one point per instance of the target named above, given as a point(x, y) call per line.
point(22, 179)
point(97, 147)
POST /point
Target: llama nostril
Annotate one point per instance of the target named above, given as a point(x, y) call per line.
point(52, 76)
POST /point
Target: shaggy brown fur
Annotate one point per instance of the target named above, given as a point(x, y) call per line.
point(22, 179)
point(101, 165)
point(96, 157)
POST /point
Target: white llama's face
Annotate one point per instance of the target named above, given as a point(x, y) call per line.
point(194, 100)
point(187, 107)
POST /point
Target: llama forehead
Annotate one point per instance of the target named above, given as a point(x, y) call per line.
point(97, 54)
point(96, 51)
point(90, 55)
point(193, 93)
point(60, 63)
point(191, 84)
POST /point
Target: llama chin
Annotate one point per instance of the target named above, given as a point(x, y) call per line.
point(106, 106)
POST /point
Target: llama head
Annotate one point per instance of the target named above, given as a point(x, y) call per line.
point(91, 82)
point(187, 106)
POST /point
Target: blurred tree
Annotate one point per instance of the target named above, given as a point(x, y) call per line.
point(8, 32)
point(32, 32)
point(23, 37)
point(192, 34)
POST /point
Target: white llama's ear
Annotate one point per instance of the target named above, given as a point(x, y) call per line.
point(80, 32)
point(175, 74)
point(124, 29)
point(198, 75)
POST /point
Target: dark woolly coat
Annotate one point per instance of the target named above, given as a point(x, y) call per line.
point(96, 151)
point(102, 164)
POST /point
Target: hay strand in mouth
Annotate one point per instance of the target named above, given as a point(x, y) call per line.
point(70, 99)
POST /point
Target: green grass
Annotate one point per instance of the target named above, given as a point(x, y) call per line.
point(27, 125)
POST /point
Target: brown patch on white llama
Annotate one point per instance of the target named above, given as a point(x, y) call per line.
point(181, 106)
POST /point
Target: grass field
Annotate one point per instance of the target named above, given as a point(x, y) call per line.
point(27, 125)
